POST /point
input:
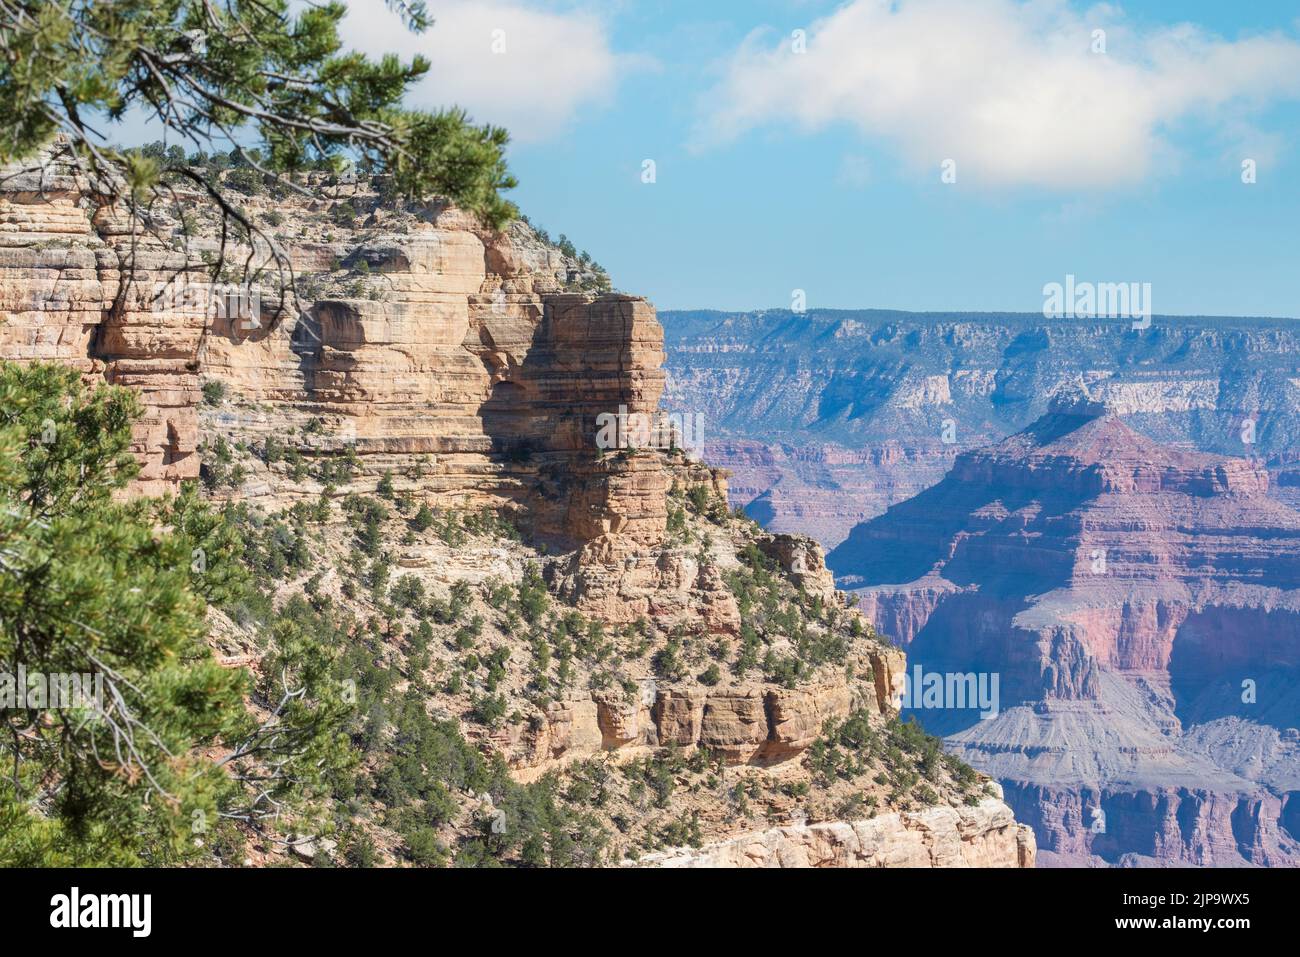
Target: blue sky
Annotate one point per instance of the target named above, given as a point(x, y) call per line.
point(820, 170)
point(839, 214)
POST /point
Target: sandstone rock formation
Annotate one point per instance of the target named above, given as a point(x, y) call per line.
point(466, 370)
point(65, 296)
point(1141, 608)
point(751, 724)
point(428, 337)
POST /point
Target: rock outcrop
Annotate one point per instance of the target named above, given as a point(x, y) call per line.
point(982, 836)
point(752, 725)
point(1140, 606)
point(426, 339)
point(66, 296)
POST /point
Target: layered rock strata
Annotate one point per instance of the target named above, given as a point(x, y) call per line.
point(1140, 608)
point(755, 725)
point(828, 417)
point(425, 338)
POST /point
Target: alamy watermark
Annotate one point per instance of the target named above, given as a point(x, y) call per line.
point(74, 910)
point(214, 300)
point(937, 690)
point(38, 691)
point(650, 430)
point(1093, 300)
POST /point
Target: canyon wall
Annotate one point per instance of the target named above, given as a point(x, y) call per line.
point(426, 337)
point(828, 417)
point(1140, 608)
point(751, 724)
point(64, 297)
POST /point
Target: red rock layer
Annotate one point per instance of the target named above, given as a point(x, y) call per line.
point(1128, 597)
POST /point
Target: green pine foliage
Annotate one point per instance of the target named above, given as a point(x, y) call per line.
point(272, 77)
point(163, 765)
point(89, 587)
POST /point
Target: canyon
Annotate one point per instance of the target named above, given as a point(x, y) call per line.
point(577, 614)
point(825, 418)
point(1140, 606)
point(1110, 532)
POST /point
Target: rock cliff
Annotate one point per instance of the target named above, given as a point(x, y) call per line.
point(406, 437)
point(1140, 606)
point(982, 836)
point(427, 336)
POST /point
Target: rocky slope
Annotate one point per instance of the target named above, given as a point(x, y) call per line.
point(985, 835)
point(830, 416)
point(1140, 607)
point(408, 450)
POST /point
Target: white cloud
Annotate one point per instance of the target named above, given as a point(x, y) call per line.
point(551, 63)
point(1010, 90)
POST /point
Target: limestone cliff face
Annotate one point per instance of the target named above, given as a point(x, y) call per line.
point(425, 335)
point(64, 298)
point(748, 725)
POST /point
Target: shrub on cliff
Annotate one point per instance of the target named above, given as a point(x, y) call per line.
point(423, 519)
point(703, 502)
point(407, 593)
point(533, 598)
point(245, 180)
point(213, 392)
